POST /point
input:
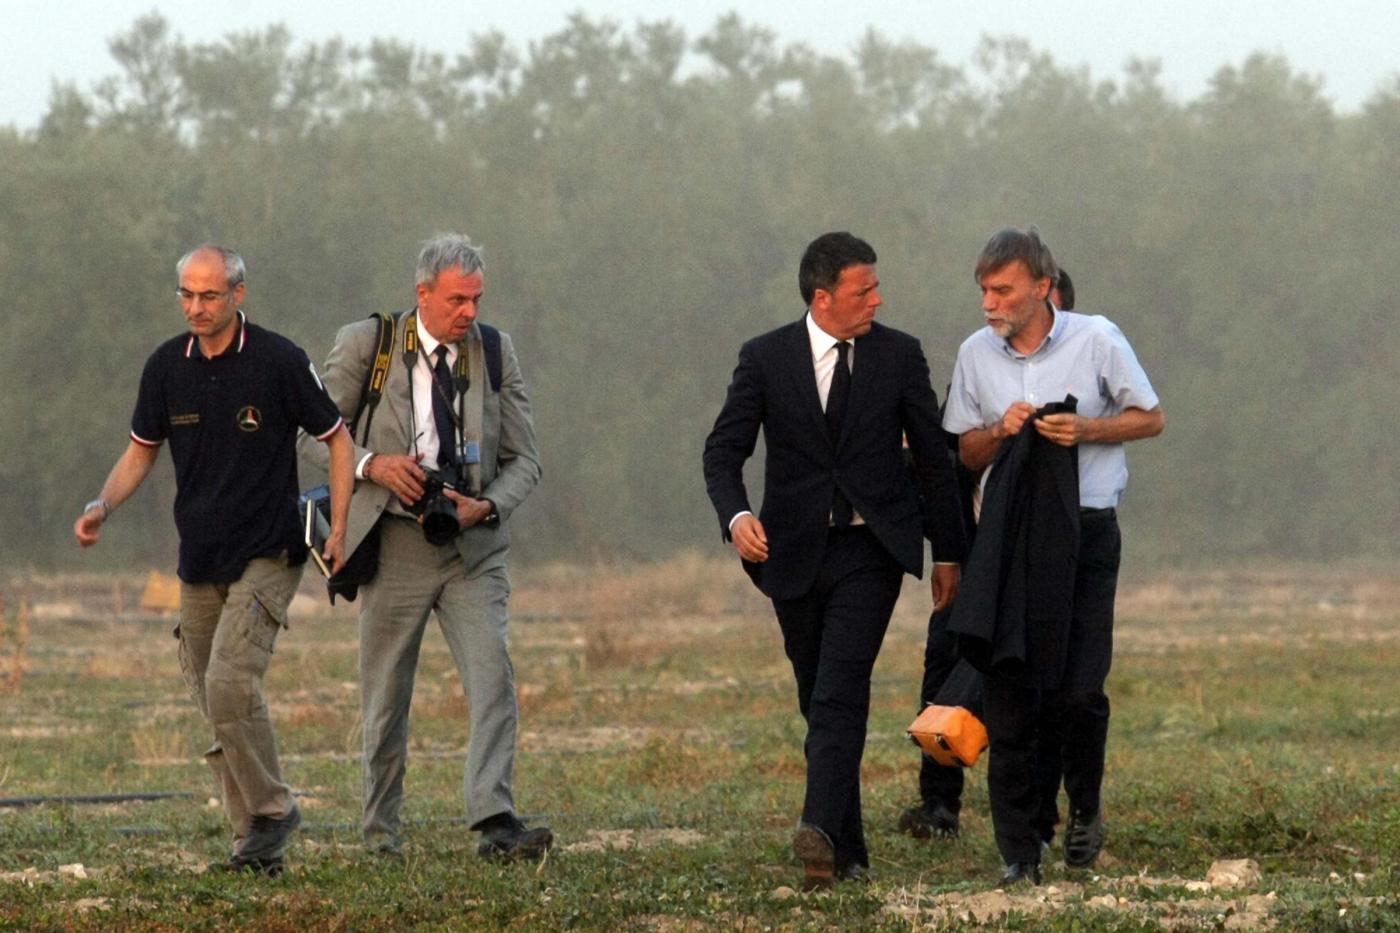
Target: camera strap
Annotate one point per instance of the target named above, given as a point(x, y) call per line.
point(461, 382)
point(373, 389)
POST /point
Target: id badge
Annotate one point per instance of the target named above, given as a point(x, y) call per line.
point(471, 452)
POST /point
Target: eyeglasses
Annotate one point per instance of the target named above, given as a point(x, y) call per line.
point(206, 297)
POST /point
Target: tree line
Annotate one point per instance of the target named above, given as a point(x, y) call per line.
point(643, 197)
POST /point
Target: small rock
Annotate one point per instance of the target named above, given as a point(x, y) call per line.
point(75, 870)
point(783, 893)
point(1104, 900)
point(213, 803)
point(1233, 873)
point(1198, 887)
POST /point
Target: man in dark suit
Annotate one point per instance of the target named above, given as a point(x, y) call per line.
point(834, 394)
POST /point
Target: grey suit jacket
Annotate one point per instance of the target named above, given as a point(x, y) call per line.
point(510, 461)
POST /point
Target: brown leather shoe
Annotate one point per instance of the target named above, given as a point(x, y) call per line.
point(813, 847)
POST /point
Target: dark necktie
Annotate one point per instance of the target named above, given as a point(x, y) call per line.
point(442, 410)
point(840, 391)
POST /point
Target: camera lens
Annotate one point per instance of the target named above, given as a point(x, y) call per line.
point(440, 520)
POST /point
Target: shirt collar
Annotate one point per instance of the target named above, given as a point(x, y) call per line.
point(1057, 329)
point(821, 341)
point(428, 342)
point(192, 349)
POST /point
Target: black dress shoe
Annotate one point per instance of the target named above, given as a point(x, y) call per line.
point(929, 820)
point(852, 871)
point(268, 837)
point(505, 836)
point(813, 848)
point(1083, 837)
point(1018, 872)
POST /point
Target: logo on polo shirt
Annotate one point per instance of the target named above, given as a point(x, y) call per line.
point(249, 418)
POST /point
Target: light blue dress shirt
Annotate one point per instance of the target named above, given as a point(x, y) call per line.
point(1086, 356)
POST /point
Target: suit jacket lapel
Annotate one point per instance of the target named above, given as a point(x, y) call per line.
point(398, 389)
point(799, 359)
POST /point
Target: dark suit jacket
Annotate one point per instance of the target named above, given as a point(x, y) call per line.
point(774, 388)
point(1013, 611)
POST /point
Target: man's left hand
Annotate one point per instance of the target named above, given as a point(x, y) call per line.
point(1066, 429)
point(944, 582)
point(334, 552)
point(469, 511)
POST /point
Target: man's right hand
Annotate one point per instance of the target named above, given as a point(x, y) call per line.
point(88, 528)
point(398, 473)
point(1015, 419)
point(749, 538)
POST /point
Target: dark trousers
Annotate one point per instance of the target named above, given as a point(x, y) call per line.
point(939, 784)
point(832, 635)
point(1027, 726)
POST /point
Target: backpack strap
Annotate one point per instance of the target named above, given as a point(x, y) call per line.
point(491, 346)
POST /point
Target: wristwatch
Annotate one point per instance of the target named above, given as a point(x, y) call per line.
point(494, 519)
point(99, 503)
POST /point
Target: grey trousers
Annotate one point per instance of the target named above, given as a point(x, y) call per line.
point(416, 578)
point(226, 635)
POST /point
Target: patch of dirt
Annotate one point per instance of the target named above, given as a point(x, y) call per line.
point(1250, 912)
point(600, 840)
point(46, 732)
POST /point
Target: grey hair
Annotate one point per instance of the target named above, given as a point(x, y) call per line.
point(448, 251)
point(1009, 245)
point(234, 269)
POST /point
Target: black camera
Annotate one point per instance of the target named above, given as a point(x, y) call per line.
point(439, 513)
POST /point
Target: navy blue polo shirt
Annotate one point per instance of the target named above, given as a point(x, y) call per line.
point(231, 422)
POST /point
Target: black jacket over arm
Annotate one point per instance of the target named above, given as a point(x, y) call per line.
point(1013, 610)
point(774, 388)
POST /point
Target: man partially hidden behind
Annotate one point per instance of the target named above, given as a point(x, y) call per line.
point(1031, 354)
point(229, 397)
point(834, 394)
point(443, 410)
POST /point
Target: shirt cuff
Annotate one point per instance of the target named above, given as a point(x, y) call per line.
point(945, 563)
point(360, 467)
point(736, 518)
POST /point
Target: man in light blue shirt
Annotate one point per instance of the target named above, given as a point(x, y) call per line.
point(1028, 355)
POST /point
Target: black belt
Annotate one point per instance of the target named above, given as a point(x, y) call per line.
point(1109, 512)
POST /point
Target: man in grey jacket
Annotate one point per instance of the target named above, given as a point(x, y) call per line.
point(451, 410)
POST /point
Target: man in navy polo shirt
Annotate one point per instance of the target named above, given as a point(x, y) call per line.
point(229, 397)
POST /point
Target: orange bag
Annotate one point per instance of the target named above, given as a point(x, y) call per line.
point(950, 735)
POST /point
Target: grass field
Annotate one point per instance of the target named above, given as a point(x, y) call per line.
point(1256, 716)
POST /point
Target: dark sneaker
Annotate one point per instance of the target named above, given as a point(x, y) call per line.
point(929, 820)
point(268, 837)
point(1021, 873)
point(813, 848)
point(508, 838)
point(1083, 838)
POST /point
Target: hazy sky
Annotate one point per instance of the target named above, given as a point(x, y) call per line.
point(1353, 44)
